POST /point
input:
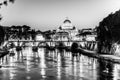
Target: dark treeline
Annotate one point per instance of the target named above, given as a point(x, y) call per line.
point(109, 31)
point(22, 32)
point(48, 34)
point(19, 32)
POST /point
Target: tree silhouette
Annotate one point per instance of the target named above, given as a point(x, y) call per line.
point(60, 28)
point(33, 34)
point(74, 28)
point(5, 2)
point(2, 32)
point(109, 30)
point(12, 1)
point(25, 31)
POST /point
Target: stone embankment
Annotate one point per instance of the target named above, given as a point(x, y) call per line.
point(107, 57)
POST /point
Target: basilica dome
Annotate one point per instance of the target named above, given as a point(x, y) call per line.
point(67, 21)
point(67, 24)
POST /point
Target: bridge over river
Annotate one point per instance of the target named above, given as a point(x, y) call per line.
point(50, 43)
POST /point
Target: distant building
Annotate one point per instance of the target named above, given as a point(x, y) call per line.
point(88, 34)
point(66, 31)
point(39, 37)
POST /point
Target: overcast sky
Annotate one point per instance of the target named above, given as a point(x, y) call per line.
point(49, 14)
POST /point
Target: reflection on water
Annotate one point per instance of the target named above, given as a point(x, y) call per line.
point(105, 70)
point(56, 65)
point(42, 63)
point(59, 67)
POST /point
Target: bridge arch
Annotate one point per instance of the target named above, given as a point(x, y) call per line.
point(43, 44)
point(9, 45)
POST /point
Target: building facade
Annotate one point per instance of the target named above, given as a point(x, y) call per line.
point(66, 31)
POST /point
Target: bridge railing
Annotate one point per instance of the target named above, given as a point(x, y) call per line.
point(48, 41)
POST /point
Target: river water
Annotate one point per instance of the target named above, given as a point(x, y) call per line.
point(56, 65)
